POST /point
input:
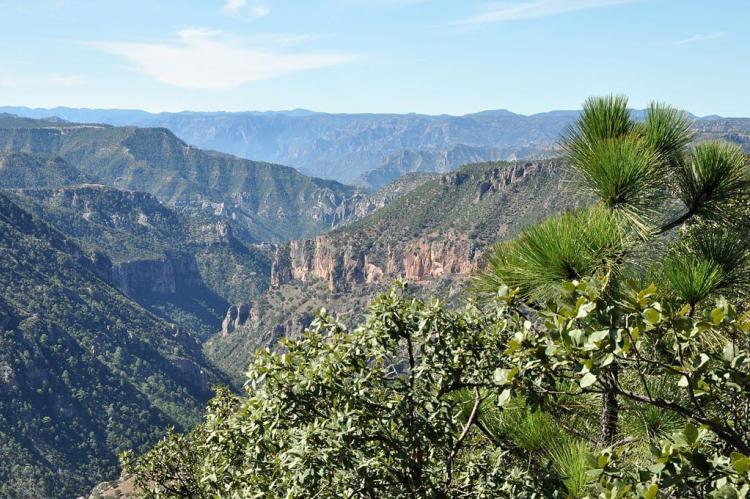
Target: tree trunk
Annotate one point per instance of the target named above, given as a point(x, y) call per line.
point(610, 405)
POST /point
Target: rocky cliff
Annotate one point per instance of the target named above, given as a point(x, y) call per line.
point(434, 235)
point(343, 267)
point(163, 276)
point(237, 315)
point(343, 260)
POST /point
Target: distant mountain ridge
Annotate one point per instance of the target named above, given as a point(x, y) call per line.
point(364, 149)
point(265, 201)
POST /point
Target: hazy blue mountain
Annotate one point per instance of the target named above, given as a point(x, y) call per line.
point(365, 149)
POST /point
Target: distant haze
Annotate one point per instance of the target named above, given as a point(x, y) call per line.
point(369, 150)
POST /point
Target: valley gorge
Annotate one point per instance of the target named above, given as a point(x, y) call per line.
point(167, 267)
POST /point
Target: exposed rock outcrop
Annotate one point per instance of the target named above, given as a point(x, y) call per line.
point(158, 276)
point(497, 179)
point(281, 267)
point(237, 315)
point(343, 262)
point(360, 205)
point(343, 267)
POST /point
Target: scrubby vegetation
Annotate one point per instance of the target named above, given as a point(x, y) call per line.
point(606, 355)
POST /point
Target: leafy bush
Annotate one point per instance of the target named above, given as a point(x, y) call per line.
point(420, 401)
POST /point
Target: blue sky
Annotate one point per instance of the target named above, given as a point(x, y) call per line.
point(426, 56)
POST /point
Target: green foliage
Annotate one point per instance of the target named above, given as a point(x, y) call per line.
point(616, 340)
point(715, 181)
point(570, 246)
point(709, 261)
point(669, 132)
point(654, 341)
point(338, 413)
point(422, 402)
point(602, 118)
point(570, 460)
point(623, 173)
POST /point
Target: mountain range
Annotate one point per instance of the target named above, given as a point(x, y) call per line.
point(266, 202)
point(368, 150)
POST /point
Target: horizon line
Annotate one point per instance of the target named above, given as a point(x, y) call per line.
point(5, 108)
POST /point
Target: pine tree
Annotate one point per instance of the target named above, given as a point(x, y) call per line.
point(663, 210)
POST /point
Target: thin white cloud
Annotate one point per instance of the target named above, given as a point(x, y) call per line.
point(232, 7)
point(529, 9)
point(260, 10)
point(212, 60)
point(700, 37)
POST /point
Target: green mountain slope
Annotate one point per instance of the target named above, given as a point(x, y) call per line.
point(434, 236)
point(270, 202)
point(20, 170)
point(183, 266)
point(84, 371)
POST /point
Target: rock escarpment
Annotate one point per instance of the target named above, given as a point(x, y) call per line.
point(237, 315)
point(344, 267)
point(163, 276)
point(344, 260)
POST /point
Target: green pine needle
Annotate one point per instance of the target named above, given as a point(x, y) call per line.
point(572, 246)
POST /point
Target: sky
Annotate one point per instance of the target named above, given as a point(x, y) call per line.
point(423, 56)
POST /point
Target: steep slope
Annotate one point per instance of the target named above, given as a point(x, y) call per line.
point(358, 207)
point(20, 170)
point(441, 161)
point(270, 202)
point(434, 236)
point(173, 263)
point(84, 371)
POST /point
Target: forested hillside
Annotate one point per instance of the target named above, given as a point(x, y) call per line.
point(184, 267)
point(84, 371)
